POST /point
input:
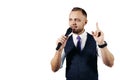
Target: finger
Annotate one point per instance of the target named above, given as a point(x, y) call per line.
point(93, 33)
point(97, 26)
point(63, 39)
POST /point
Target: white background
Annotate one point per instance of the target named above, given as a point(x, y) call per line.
point(29, 30)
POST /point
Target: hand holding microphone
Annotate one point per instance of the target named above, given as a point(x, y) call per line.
point(69, 30)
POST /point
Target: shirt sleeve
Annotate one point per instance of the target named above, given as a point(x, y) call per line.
point(99, 52)
point(62, 58)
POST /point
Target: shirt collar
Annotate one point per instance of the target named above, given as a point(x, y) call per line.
point(83, 35)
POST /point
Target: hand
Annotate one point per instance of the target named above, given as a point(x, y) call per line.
point(98, 35)
point(62, 40)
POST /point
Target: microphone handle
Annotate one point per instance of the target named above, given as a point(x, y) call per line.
point(58, 46)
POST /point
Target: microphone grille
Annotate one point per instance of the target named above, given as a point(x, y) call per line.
point(69, 30)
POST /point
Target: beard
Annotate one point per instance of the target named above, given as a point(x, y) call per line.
point(78, 31)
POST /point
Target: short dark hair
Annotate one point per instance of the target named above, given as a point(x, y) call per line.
point(80, 9)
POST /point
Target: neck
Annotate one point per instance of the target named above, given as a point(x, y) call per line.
point(81, 32)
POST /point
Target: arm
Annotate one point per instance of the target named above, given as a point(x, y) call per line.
point(107, 56)
point(56, 60)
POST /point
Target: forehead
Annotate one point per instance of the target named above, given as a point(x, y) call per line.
point(76, 14)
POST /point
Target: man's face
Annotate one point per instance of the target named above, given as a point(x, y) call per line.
point(77, 21)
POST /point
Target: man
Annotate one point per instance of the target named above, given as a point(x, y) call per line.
point(81, 63)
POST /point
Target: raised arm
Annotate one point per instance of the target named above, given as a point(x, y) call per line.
point(107, 56)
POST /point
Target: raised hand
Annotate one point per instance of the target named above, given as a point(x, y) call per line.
point(98, 35)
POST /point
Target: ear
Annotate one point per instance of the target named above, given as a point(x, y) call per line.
point(86, 21)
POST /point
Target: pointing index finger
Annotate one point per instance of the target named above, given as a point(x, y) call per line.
point(97, 26)
point(98, 30)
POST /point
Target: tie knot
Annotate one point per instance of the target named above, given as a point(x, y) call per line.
point(78, 38)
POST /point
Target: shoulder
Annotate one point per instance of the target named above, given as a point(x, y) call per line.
point(91, 39)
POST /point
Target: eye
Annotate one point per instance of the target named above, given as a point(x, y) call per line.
point(70, 19)
point(78, 20)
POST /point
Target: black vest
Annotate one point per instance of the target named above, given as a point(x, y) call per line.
point(81, 65)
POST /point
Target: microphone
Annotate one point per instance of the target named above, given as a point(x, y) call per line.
point(69, 30)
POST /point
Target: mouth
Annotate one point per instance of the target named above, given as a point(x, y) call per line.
point(73, 27)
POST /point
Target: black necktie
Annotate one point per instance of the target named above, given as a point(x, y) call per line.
point(79, 43)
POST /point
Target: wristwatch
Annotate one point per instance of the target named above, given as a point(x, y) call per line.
point(103, 45)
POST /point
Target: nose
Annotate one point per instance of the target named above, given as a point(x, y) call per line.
point(73, 22)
